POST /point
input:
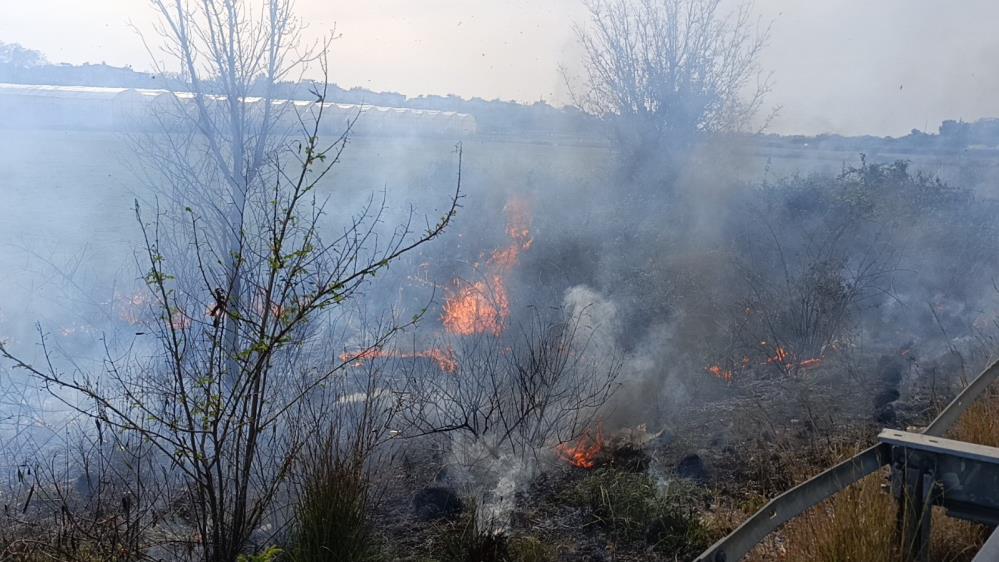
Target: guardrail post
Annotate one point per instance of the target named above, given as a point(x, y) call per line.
point(913, 482)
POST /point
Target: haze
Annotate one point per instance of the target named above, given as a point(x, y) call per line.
point(848, 67)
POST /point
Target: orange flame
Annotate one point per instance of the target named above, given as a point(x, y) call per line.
point(132, 308)
point(809, 363)
point(483, 307)
point(723, 374)
point(444, 358)
point(477, 308)
point(780, 357)
point(585, 452)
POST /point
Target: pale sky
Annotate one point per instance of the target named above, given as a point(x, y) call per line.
point(843, 66)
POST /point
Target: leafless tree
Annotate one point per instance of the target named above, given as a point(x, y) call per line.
point(244, 275)
point(515, 398)
point(669, 70)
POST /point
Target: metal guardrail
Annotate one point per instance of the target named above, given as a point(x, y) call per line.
point(990, 550)
point(962, 401)
point(810, 493)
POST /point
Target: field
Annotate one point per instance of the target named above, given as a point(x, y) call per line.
point(676, 274)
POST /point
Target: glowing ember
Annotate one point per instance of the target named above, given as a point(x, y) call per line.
point(780, 357)
point(444, 358)
point(809, 363)
point(723, 374)
point(585, 452)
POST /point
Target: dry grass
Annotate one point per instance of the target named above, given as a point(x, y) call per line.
point(856, 525)
point(980, 424)
point(859, 524)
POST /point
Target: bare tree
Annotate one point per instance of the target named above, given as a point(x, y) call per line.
point(669, 70)
point(517, 397)
point(505, 402)
point(245, 272)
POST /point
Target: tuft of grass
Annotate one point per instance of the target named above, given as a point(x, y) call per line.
point(634, 507)
point(332, 516)
point(531, 549)
point(954, 540)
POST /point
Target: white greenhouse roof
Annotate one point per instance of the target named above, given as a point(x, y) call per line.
point(96, 92)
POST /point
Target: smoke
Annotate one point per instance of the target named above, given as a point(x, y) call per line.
point(710, 252)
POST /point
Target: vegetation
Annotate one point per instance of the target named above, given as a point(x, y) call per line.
point(663, 72)
point(260, 409)
point(634, 507)
point(859, 523)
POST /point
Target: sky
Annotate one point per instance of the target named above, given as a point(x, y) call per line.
point(878, 67)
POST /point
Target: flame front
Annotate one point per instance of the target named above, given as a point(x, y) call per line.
point(723, 374)
point(444, 358)
point(483, 307)
point(477, 308)
point(585, 452)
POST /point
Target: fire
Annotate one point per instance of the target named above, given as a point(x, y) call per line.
point(779, 358)
point(477, 308)
point(444, 358)
point(809, 363)
point(483, 307)
point(131, 308)
point(179, 320)
point(789, 361)
point(723, 374)
point(585, 452)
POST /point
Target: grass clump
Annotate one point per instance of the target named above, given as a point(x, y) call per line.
point(531, 549)
point(633, 507)
point(332, 516)
point(464, 540)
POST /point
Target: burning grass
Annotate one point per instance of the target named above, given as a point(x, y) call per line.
point(443, 357)
point(585, 451)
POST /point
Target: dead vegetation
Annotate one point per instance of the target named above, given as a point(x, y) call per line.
point(859, 523)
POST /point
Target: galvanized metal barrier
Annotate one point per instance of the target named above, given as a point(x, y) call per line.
point(900, 446)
